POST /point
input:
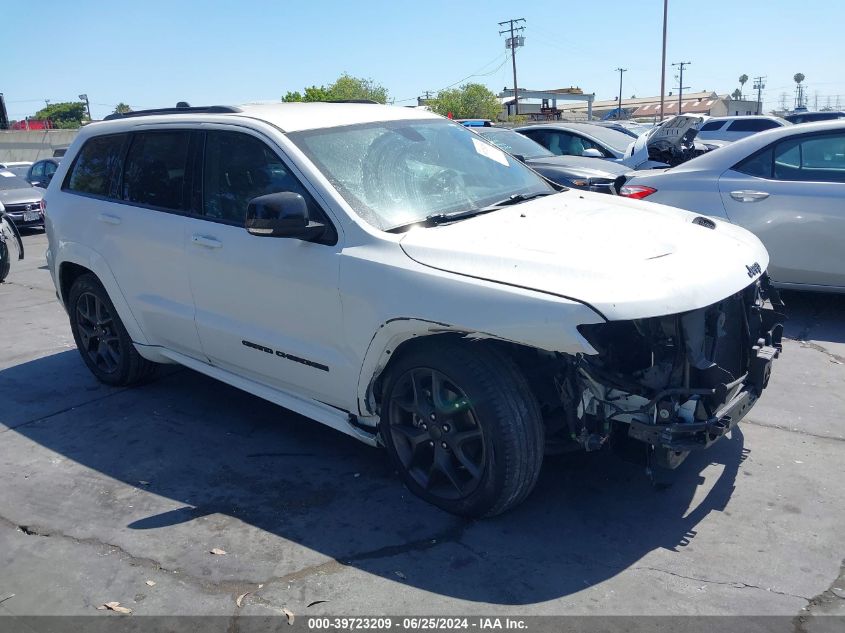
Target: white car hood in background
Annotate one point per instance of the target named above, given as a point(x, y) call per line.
point(628, 259)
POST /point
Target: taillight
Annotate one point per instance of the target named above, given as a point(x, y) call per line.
point(638, 192)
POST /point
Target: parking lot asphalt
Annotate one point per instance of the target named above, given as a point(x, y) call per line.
point(105, 489)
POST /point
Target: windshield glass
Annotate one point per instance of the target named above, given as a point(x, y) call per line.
point(514, 142)
point(615, 140)
point(394, 173)
point(10, 181)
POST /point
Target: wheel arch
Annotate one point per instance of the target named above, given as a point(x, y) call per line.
point(74, 260)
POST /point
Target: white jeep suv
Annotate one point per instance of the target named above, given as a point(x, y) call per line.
point(392, 275)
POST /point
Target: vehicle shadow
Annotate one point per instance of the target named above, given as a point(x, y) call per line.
point(217, 450)
point(817, 316)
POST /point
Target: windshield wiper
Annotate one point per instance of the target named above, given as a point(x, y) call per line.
point(436, 219)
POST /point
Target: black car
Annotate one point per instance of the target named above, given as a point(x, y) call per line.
point(577, 172)
point(41, 172)
point(812, 117)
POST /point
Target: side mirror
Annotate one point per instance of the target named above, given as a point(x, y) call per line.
point(592, 153)
point(283, 214)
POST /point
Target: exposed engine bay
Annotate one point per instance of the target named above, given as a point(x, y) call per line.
point(668, 144)
point(677, 382)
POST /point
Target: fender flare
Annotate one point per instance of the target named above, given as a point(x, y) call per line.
point(75, 253)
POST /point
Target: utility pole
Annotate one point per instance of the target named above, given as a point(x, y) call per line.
point(514, 42)
point(619, 111)
point(87, 105)
point(681, 85)
point(759, 85)
point(663, 63)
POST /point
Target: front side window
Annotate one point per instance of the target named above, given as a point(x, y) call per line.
point(94, 167)
point(394, 173)
point(154, 172)
point(238, 168)
point(712, 126)
point(37, 172)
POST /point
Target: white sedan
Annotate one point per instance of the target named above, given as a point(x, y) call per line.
point(786, 185)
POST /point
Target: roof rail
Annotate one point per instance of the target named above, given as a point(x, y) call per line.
point(353, 101)
point(181, 108)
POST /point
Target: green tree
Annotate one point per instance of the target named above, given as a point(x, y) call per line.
point(345, 87)
point(68, 114)
point(742, 79)
point(736, 95)
point(121, 108)
point(470, 101)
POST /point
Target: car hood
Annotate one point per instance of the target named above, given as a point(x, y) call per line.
point(19, 196)
point(587, 167)
point(627, 259)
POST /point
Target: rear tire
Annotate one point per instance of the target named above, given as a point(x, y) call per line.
point(5, 261)
point(462, 427)
point(102, 340)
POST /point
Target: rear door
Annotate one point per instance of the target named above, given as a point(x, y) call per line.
point(132, 190)
point(267, 308)
point(790, 195)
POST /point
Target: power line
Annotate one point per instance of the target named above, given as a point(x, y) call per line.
point(759, 86)
point(619, 110)
point(514, 42)
point(681, 86)
point(477, 73)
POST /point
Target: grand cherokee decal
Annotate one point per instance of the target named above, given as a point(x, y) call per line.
point(296, 359)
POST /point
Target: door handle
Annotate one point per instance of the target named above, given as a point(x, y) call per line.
point(109, 219)
point(749, 196)
point(207, 242)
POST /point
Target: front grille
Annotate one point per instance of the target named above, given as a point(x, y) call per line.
point(25, 206)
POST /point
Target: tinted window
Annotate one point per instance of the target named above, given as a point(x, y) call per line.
point(49, 169)
point(711, 126)
point(238, 168)
point(94, 167)
point(752, 125)
point(37, 171)
point(759, 165)
point(811, 159)
point(154, 173)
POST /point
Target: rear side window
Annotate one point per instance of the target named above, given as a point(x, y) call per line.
point(752, 125)
point(155, 169)
point(806, 158)
point(712, 126)
point(94, 167)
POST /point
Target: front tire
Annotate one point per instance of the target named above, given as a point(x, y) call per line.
point(102, 340)
point(462, 427)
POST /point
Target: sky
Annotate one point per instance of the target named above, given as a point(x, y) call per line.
point(154, 53)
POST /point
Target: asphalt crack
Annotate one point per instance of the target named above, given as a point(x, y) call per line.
point(787, 429)
point(65, 410)
point(822, 601)
point(732, 583)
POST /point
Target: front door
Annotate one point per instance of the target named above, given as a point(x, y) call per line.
point(266, 308)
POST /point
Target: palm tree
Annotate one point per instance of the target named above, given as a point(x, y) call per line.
point(736, 95)
point(742, 79)
point(799, 77)
point(122, 108)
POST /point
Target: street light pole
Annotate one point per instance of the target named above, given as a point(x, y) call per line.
point(619, 110)
point(87, 104)
point(663, 63)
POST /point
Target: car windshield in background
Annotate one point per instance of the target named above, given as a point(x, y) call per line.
point(514, 142)
point(395, 173)
point(10, 181)
point(615, 140)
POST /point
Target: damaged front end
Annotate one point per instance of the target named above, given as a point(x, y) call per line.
point(677, 382)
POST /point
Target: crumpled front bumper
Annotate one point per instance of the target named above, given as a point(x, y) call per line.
point(688, 436)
